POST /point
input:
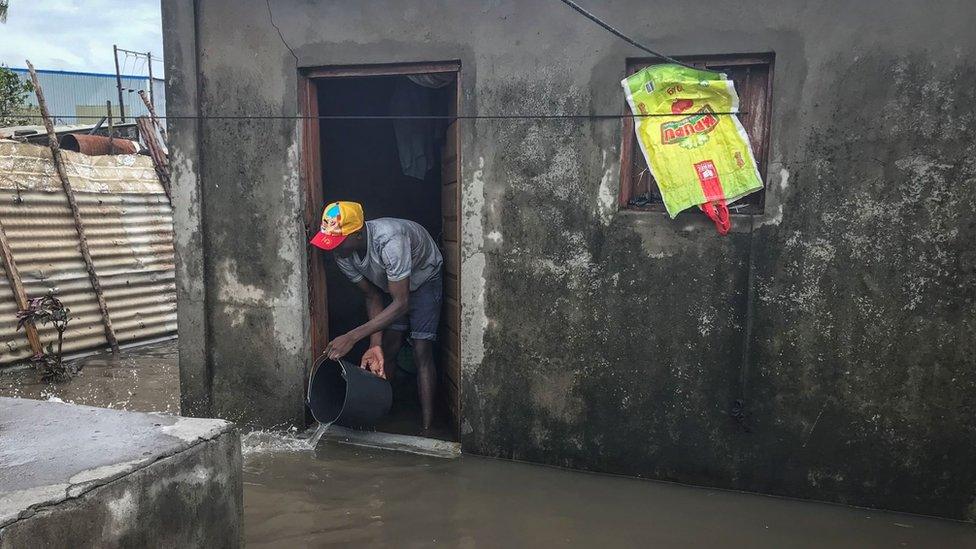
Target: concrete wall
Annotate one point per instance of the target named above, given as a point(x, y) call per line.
point(242, 297)
point(133, 480)
point(842, 318)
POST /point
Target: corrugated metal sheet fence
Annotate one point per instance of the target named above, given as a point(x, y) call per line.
point(129, 224)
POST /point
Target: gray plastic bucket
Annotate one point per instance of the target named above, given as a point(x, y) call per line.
point(347, 395)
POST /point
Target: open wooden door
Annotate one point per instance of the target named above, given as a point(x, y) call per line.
point(450, 360)
point(311, 174)
point(316, 81)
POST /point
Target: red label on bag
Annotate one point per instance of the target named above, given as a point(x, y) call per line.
point(710, 183)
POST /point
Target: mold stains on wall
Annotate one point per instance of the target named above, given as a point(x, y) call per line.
point(860, 295)
point(639, 321)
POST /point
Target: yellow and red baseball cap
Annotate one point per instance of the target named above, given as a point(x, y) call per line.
point(339, 220)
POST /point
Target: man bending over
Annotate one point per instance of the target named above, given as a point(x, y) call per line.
point(397, 266)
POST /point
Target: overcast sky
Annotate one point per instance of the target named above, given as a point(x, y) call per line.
point(77, 35)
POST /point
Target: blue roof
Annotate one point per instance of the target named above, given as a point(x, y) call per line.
point(74, 94)
point(77, 73)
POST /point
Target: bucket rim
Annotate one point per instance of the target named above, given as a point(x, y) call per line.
point(315, 367)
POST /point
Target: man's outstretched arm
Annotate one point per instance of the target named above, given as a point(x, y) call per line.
point(373, 328)
point(373, 359)
point(374, 306)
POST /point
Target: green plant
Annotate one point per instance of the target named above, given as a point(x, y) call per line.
point(48, 310)
point(13, 98)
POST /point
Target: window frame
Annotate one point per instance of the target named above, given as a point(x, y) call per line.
point(629, 148)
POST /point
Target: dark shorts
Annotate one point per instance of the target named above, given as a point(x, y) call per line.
point(424, 313)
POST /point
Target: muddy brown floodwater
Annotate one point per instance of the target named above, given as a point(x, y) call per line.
point(341, 495)
point(338, 495)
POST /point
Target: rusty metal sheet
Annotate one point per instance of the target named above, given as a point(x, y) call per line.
point(129, 224)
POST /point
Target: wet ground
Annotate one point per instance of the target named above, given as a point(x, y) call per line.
point(141, 379)
point(338, 495)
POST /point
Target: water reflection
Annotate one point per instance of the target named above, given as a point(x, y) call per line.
point(343, 495)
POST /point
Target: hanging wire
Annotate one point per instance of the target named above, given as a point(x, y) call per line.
point(426, 117)
point(569, 3)
point(125, 63)
point(280, 36)
point(626, 38)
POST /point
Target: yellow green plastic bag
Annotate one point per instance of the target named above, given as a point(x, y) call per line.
point(698, 155)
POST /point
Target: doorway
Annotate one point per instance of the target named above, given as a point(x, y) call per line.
point(357, 133)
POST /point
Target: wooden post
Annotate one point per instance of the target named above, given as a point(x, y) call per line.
point(160, 162)
point(111, 130)
point(152, 98)
point(17, 287)
point(152, 114)
point(118, 84)
point(75, 212)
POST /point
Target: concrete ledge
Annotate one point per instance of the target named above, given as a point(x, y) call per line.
point(398, 443)
point(80, 476)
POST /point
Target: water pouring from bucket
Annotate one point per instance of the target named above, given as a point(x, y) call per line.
point(346, 395)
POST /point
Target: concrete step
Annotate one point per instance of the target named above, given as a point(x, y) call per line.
point(397, 443)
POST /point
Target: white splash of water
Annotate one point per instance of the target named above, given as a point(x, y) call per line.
point(50, 397)
point(267, 442)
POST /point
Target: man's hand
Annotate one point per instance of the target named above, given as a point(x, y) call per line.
point(373, 361)
point(340, 346)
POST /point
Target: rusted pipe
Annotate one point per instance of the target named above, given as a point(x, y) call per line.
point(97, 145)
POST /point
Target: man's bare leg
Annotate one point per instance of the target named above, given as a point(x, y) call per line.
point(392, 342)
point(423, 356)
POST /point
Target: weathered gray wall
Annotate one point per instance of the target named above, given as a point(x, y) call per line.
point(617, 341)
point(183, 141)
point(240, 240)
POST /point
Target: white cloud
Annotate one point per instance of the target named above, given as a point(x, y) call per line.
point(77, 35)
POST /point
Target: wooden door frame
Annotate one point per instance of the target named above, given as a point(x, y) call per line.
point(312, 184)
point(311, 181)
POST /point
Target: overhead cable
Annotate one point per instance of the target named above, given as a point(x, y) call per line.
point(624, 37)
point(411, 117)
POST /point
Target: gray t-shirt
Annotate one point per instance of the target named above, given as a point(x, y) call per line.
point(395, 249)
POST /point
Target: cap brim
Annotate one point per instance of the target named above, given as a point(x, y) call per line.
point(327, 242)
